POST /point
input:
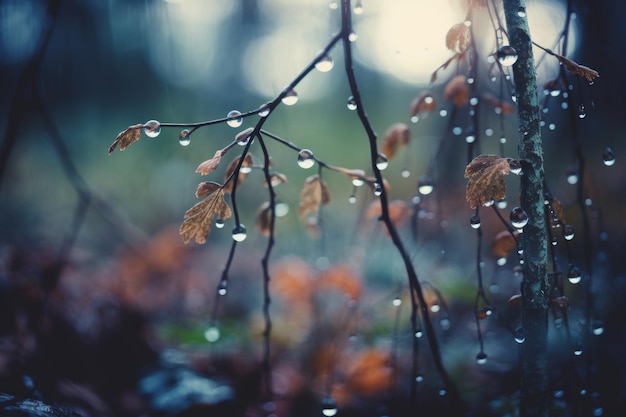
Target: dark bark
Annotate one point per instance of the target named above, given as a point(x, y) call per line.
point(534, 287)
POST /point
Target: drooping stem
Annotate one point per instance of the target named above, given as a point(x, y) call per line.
point(535, 285)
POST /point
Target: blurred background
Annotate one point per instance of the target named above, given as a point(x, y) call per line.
point(99, 292)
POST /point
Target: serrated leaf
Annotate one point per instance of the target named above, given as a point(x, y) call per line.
point(313, 195)
point(457, 90)
point(199, 218)
point(485, 175)
point(396, 136)
point(126, 137)
point(246, 164)
point(206, 188)
point(458, 37)
point(210, 165)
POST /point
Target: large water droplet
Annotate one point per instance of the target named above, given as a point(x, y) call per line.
point(519, 334)
point(234, 122)
point(325, 63)
point(152, 128)
point(397, 302)
point(582, 112)
point(578, 350)
point(608, 157)
point(572, 177)
point(242, 138)
point(507, 55)
point(425, 185)
point(306, 159)
point(212, 334)
point(351, 103)
point(481, 358)
point(264, 110)
point(515, 166)
point(357, 181)
point(290, 98)
point(381, 162)
point(378, 189)
point(239, 233)
point(419, 333)
point(521, 11)
point(329, 406)
point(568, 232)
point(222, 289)
point(475, 221)
point(518, 217)
point(574, 276)
point(185, 137)
point(219, 223)
point(597, 327)
point(352, 37)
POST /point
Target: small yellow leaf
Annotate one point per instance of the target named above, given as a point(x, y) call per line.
point(313, 195)
point(396, 136)
point(210, 165)
point(199, 218)
point(485, 175)
point(126, 138)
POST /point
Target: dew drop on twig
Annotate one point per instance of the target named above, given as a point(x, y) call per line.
point(568, 232)
point(290, 98)
point(306, 159)
point(234, 122)
point(184, 138)
point(381, 162)
point(506, 55)
point(518, 217)
point(152, 128)
point(239, 233)
point(475, 221)
point(608, 157)
point(329, 406)
point(481, 358)
point(519, 334)
point(351, 103)
point(212, 334)
point(325, 63)
point(574, 276)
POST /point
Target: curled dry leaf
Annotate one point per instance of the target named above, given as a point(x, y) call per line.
point(199, 218)
point(485, 175)
point(424, 103)
point(207, 188)
point(505, 107)
point(458, 38)
point(577, 69)
point(396, 136)
point(126, 138)
point(457, 90)
point(504, 243)
point(313, 195)
point(246, 167)
point(210, 165)
point(264, 219)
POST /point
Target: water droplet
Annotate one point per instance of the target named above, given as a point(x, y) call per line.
point(306, 159)
point(239, 233)
point(521, 11)
point(457, 130)
point(325, 63)
point(425, 185)
point(552, 126)
point(568, 232)
point(435, 308)
point(352, 37)
point(352, 199)
point(219, 223)
point(608, 157)
point(502, 140)
point(470, 80)
point(405, 173)
point(281, 209)
point(290, 98)
point(518, 217)
point(357, 181)
point(397, 301)
point(419, 334)
point(242, 138)
point(470, 138)
point(519, 334)
point(264, 110)
point(212, 334)
point(185, 137)
point(329, 406)
point(574, 276)
point(501, 261)
point(597, 327)
point(442, 392)
point(489, 132)
point(152, 128)
point(515, 166)
point(381, 162)
point(443, 113)
point(572, 177)
point(481, 358)
point(378, 189)
point(475, 221)
point(507, 55)
point(222, 289)
point(598, 411)
point(578, 350)
point(445, 324)
point(333, 5)
point(234, 122)
point(501, 204)
point(582, 113)
point(358, 7)
point(351, 104)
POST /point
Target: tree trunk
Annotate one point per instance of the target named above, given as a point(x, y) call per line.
point(534, 287)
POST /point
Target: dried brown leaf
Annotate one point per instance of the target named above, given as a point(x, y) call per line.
point(264, 219)
point(424, 103)
point(397, 209)
point(505, 107)
point(246, 165)
point(485, 175)
point(457, 90)
point(277, 178)
point(126, 138)
point(458, 38)
point(206, 188)
point(515, 299)
point(577, 69)
point(341, 278)
point(210, 165)
point(396, 136)
point(313, 195)
point(503, 244)
point(199, 218)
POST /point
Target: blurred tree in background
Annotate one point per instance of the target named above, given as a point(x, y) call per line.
point(106, 311)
